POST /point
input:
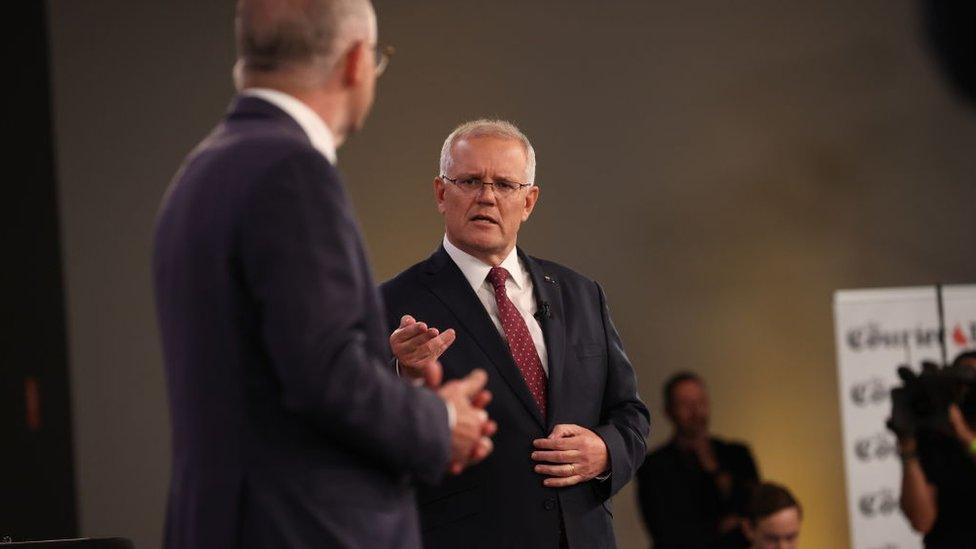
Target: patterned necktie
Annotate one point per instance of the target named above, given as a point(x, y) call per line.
point(519, 341)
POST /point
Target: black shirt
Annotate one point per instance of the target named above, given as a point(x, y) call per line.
point(681, 503)
point(949, 467)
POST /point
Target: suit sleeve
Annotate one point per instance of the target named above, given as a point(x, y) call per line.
point(300, 248)
point(625, 419)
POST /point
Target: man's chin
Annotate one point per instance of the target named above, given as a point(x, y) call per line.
point(479, 246)
point(692, 434)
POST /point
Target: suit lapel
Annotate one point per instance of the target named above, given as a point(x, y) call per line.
point(445, 280)
point(546, 289)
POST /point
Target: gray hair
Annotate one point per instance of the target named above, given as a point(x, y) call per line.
point(273, 35)
point(494, 128)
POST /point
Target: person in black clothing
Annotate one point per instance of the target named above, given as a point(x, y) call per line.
point(939, 474)
point(694, 490)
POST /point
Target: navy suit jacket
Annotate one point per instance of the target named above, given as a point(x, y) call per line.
point(501, 502)
point(288, 429)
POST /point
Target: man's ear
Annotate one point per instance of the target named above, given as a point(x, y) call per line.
point(354, 58)
point(439, 189)
point(530, 199)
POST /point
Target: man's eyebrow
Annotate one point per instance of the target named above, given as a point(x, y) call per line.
point(507, 179)
point(472, 175)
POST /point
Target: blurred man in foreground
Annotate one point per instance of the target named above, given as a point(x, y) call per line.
point(693, 491)
point(773, 518)
point(571, 426)
point(289, 430)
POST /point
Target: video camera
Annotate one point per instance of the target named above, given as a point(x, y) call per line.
point(922, 402)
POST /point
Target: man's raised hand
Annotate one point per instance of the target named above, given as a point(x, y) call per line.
point(417, 347)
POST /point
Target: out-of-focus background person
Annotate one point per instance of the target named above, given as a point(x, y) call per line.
point(694, 490)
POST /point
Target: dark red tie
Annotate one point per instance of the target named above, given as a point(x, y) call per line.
point(519, 341)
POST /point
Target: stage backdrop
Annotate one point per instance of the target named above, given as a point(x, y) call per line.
point(878, 330)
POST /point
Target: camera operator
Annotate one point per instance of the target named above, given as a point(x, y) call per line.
point(934, 417)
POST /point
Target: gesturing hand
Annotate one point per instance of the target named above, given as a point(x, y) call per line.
point(417, 347)
point(570, 454)
point(472, 429)
point(702, 447)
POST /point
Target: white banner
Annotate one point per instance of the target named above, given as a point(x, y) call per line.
point(877, 331)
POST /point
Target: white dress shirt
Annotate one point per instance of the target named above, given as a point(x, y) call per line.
point(518, 286)
point(317, 131)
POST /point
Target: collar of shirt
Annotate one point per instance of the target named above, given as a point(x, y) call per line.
point(317, 131)
point(476, 270)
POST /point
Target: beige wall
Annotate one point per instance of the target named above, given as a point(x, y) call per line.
point(719, 169)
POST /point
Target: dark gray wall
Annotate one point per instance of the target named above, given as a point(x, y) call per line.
point(720, 168)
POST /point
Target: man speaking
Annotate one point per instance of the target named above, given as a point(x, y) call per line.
point(289, 430)
point(571, 426)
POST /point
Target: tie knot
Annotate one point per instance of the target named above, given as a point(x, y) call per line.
point(497, 276)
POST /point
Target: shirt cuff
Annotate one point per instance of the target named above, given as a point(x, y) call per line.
point(604, 477)
point(452, 416)
point(417, 382)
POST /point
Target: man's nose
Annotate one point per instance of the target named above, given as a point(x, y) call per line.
point(486, 195)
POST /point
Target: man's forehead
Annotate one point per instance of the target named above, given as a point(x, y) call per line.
point(784, 521)
point(689, 386)
point(482, 149)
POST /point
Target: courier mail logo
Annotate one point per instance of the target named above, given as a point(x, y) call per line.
point(870, 391)
point(876, 447)
point(881, 502)
point(964, 335)
point(872, 336)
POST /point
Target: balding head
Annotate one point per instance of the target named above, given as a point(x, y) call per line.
point(298, 40)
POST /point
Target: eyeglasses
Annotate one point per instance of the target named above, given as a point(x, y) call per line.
point(382, 56)
point(473, 185)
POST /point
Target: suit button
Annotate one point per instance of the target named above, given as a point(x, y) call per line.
point(550, 504)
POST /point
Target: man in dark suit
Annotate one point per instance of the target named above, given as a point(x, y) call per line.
point(571, 425)
point(289, 430)
point(694, 491)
